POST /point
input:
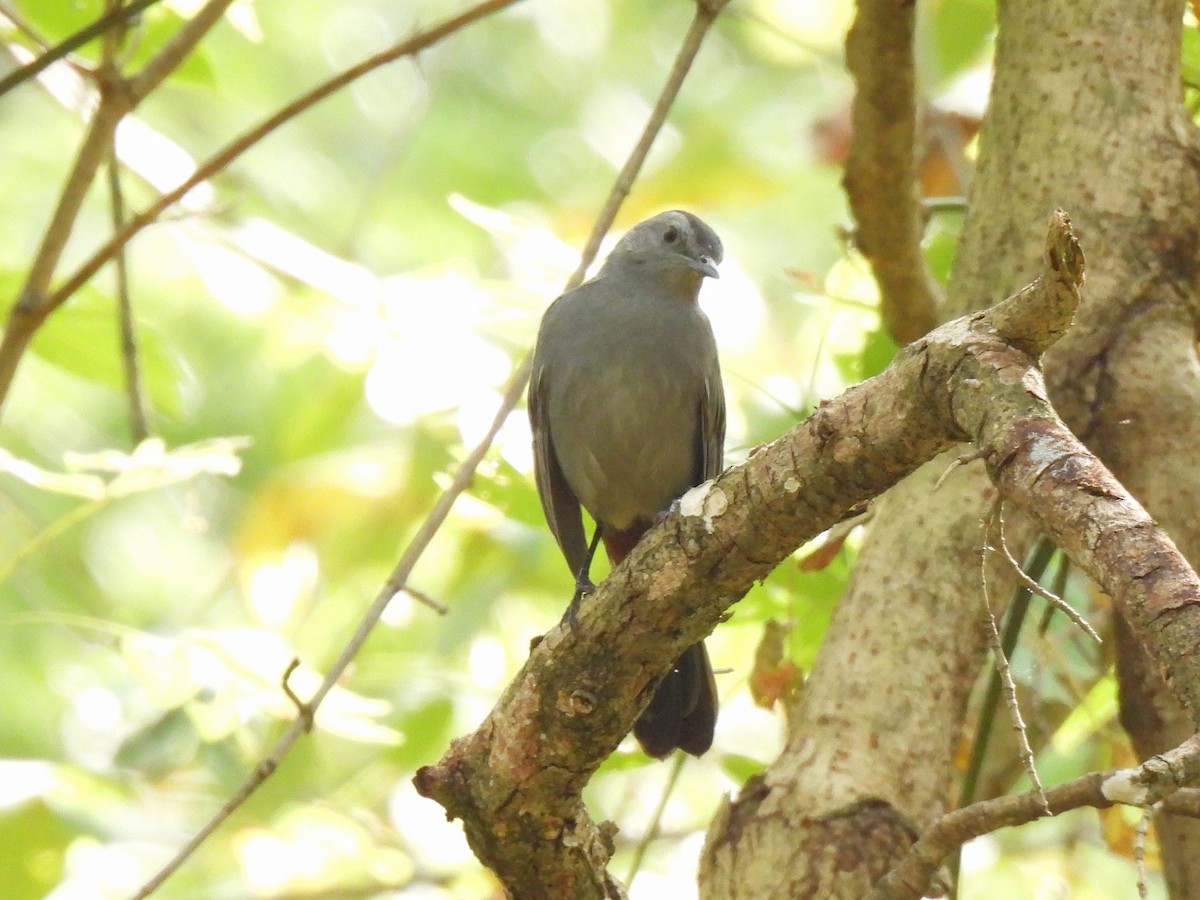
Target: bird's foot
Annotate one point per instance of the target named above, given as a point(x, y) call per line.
point(583, 587)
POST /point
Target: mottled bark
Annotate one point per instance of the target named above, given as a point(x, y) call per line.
point(1161, 779)
point(1150, 435)
point(881, 170)
point(1085, 114)
point(516, 782)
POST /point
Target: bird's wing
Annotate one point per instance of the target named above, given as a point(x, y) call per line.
point(711, 445)
point(559, 502)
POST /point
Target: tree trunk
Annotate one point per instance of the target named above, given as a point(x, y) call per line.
point(1085, 114)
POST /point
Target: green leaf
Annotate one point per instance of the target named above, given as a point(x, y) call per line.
point(55, 21)
point(148, 33)
point(82, 337)
point(741, 768)
point(35, 847)
point(877, 353)
point(169, 744)
point(957, 32)
point(1191, 56)
point(939, 249)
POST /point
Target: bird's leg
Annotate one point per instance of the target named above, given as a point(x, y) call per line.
point(583, 582)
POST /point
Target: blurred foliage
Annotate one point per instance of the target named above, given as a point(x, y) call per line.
point(324, 332)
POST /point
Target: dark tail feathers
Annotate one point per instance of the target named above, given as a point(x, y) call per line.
point(683, 712)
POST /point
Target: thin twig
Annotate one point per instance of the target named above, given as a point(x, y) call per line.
point(139, 424)
point(933, 205)
point(1139, 852)
point(1158, 779)
point(706, 13)
point(398, 580)
point(1059, 587)
point(304, 711)
point(1045, 593)
point(174, 51)
point(110, 74)
point(655, 824)
point(23, 26)
point(113, 38)
point(117, 97)
point(33, 311)
point(961, 460)
point(27, 315)
point(1001, 662)
point(421, 597)
point(1014, 619)
point(72, 43)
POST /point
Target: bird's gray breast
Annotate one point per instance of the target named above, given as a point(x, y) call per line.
point(624, 405)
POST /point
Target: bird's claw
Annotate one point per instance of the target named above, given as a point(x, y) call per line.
point(583, 587)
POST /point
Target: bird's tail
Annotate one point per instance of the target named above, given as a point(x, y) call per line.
point(683, 712)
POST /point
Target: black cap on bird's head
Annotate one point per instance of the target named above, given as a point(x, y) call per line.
point(671, 238)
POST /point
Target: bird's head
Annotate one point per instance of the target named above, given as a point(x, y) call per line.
point(674, 240)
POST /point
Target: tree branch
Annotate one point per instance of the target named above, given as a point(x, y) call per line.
point(117, 97)
point(516, 781)
point(707, 10)
point(706, 13)
point(139, 426)
point(30, 310)
point(35, 306)
point(881, 169)
point(64, 48)
point(167, 59)
point(1155, 780)
point(139, 422)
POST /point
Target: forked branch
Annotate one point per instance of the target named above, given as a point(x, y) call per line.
point(707, 12)
point(516, 782)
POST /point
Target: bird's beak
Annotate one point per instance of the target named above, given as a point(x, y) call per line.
point(705, 266)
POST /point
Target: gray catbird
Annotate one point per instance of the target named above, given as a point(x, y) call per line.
point(628, 412)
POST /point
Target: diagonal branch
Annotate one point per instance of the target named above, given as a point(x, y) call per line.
point(117, 97)
point(881, 169)
point(1157, 779)
point(168, 58)
point(111, 19)
point(516, 782)
point(35, 305)
point(707, 11)
point(30, 310)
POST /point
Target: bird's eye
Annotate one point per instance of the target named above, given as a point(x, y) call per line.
point(671, 235)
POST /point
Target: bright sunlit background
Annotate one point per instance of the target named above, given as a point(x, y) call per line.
point(326, 330)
